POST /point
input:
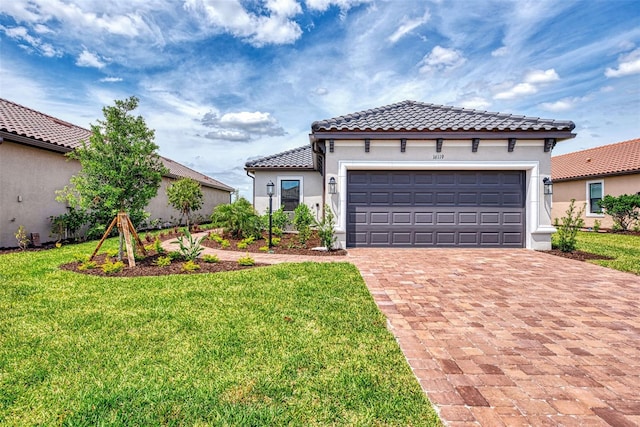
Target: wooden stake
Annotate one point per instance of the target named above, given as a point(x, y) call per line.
point(135, 234)
point(104, 237)
point(123, 222)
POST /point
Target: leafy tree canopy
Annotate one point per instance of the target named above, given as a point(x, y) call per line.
point(121, 169)
point(185, 195)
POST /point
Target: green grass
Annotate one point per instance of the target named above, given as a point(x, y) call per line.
point(624, 248)
point(293, 344)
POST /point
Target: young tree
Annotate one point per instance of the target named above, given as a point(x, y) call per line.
point(624, 209)
point(121, 169)
point(185, 195)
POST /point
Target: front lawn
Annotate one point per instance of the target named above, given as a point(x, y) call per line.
point(293, 344)
point(623, 248)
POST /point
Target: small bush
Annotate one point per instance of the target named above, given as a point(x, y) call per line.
point(238, 219)
point(241, 245)
point(246, 261)
point(87, 265)
point(21, 237)
point(190, 266)
point(210, 258)
point(174, 255)
point(112, 267)
point(624, 209)
point(190, 247)
point(275, 241)
point(163, 261)
point(215, 237)
point(225, 244)
point(302, 220)
point(263, 248)
point(568, 229)
point(596, 225)
point(326, 229)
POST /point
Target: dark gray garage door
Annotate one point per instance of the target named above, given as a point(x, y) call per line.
point(436, 208)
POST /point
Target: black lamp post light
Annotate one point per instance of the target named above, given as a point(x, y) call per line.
point(270, 188)
point(332, 186)
point(548, 185)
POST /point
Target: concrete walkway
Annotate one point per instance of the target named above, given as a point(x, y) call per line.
point(508, 337)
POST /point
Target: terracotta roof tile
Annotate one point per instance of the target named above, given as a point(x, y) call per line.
point(612, 159)
point(22, 121)
point(297, 158)
point(419, 116)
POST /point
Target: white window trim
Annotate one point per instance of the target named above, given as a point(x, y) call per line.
point(279, 180)
point(587, 210)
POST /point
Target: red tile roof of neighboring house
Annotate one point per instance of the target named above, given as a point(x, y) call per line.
point(51, 133)
point(614, 159)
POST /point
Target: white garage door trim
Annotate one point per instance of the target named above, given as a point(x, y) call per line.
point(532, 188)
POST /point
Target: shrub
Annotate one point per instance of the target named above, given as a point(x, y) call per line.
point(157, 246)
point(210, 258)
point(111, 253)
point(279, 219)
point(112, 267)
point(224, 244)
point(241, 245)
point(163, 261)
point(326, 229)
point(246, 260)
point(596, 225)
point(568, 229)
point(263, 248)
point(87, 265)
point(190, 247)
point(190, 266)
point(624, 209)
point(21, 237)
point(275, 241)
point(215, 237)
point(302, 220)
point(238, 219)
point(174, 255)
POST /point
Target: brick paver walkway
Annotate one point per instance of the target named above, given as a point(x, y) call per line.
point(513, 337)
point(508, 337)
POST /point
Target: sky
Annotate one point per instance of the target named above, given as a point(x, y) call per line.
point(225, 81)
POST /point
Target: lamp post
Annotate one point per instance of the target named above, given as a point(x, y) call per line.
point(270, 187)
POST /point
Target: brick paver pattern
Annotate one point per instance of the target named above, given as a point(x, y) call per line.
point(508, 337)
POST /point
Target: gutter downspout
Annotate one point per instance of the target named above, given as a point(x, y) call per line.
point(253, 178)
point(315, 148)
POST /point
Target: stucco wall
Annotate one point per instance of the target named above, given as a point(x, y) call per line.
point(311, 189)
point(32, 175)
point(528, 156)
point(564, 191)
point(35, 174)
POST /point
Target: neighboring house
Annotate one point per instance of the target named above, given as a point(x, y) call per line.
point(422, 175)
point(33, 167)
point(587, 176)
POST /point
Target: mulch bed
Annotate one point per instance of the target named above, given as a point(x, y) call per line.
point(577, 255)
point(288, 245)
point(146, 267)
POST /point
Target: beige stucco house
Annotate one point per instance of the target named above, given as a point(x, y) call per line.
point(413, 174)
point(587, 176)
point(33, 167)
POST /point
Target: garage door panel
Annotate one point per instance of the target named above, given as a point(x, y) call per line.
point(436, 208)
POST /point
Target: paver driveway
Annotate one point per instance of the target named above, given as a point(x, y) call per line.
point(513, 337)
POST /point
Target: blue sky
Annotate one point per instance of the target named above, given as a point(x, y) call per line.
point(224, 81)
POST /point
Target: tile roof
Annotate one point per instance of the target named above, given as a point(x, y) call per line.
point(23, 121)
point(297, 158)
point(62, 136)
point(419, 116)
point(613, 159)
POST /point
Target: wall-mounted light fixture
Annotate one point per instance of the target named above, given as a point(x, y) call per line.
point(548, 185)
point(332, 186)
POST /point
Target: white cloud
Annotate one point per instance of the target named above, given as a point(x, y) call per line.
point(344, 5)
point(88, 59)
point(531, 84)
point(561, 105)
point(32, 43)
point(231, 16)
point(627, 64)
point(111, 79)
point(475, 102)
point(441, 59)
point(407, 26)
point(541, 76)
point(242, 126)
point(502, 51)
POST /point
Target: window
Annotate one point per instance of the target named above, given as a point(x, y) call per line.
point(289, 194)
point(595, 192)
